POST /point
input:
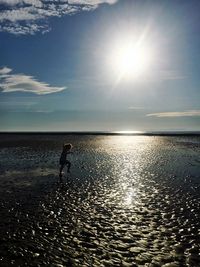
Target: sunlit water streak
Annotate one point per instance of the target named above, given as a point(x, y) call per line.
point(128, 200)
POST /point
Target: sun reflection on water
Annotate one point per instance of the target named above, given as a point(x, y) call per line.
point(127, 160)
point(130, 196)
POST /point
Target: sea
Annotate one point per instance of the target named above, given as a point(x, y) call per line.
point(129, 200)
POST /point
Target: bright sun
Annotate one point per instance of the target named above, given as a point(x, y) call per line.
point(131, 59)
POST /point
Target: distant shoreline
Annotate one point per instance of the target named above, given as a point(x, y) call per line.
point(167, 133)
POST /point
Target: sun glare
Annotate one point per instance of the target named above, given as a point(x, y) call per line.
point(128, 132)
point(131, 59)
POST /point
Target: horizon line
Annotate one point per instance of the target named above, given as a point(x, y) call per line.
point(117, 133)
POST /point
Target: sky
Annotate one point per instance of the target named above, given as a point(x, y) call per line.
point(99, 65)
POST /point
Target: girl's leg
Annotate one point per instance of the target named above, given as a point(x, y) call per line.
point(61, 168)
point(68, 166)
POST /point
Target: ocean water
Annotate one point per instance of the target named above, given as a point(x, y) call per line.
point(128, 201)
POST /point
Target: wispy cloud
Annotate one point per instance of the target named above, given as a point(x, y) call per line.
point(31, 16)
point(5, 70)
point(24, 83)
point(187, 113)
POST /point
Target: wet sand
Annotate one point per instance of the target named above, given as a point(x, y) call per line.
point(128, 201)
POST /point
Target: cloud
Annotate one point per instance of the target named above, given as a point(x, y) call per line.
point(187, 113)
point(24, 83)
point(22, 30)
point(30, 16)
point(15, 2)
point(5, 70)
point(91, 2)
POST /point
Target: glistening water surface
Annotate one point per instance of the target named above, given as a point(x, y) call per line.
point(129, 201)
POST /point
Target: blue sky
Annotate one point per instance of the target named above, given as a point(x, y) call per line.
point(59, 70)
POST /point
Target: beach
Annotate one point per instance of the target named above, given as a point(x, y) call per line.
point(128, 201)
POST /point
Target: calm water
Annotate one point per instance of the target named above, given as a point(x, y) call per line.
point(129, 201)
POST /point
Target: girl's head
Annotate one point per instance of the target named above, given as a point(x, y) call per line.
point(67, 146)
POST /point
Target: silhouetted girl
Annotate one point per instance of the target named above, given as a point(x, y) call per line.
point(63, 158)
